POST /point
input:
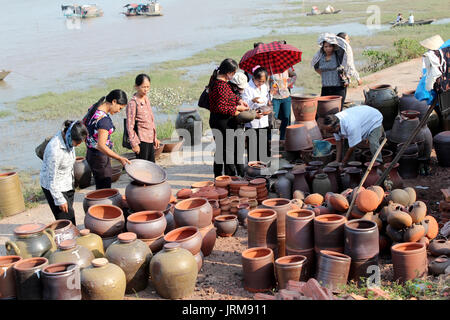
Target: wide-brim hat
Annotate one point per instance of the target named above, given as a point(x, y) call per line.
point(433, 43)
point(240, 79)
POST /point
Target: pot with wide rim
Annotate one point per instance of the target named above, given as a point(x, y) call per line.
point(31, 240)
point(148, 197)
point(27, 273)
point(147, 224)
point(105, 220)
point(329, 232)
point(333, 269)
point(409, 260)
point(193, 212)
point(61, 281)
point(304, 107)
point(102, 196)
point(288, 268)
point(7, 280)
point(309, 267)
point(300, 229)
point(258, 269)
point(70, 251)
point(189, 238)
point(297, 138)
point(64, 230)
point(262, 228)
point(226, 225)
point(328, 105)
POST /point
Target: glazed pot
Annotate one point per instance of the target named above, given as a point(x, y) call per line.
point(27, 273)
point(189, 126)
point(208, 239)
point(321, 184)
point(409, 260)
point(133, 257)
point(329, 232)
point(288, 268)
point(64, 230)
point(262, 228)
point(300, 229)
point(309, 267)
point(31, 240)
point(408, 166)
point(297, 138)
point(328, 105)
point(82, 173)
point(283, 186)
point(300, 181)
point(11, 196)
point(91, 241)
point(193, 212)
point(70, 251)
point(7, 280)
point(188, 237)
point(253, 169)
point(173, 272)
point(226, 225)
point(333, 177)
point(409, 102)
point(304, 107)
point(61, 281)
point(385, 99)
point(441, 143)
point(148, 197)
point(155, 245)
point(104, 220)
point(108, 241)
point(333, 269)
point(147, 224)
point(102, 196)
point(394, 176)
point(258, 269)
point(170, 221)
point(103, 281)
point(243, 210)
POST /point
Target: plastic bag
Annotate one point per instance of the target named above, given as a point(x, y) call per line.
point(321, 148)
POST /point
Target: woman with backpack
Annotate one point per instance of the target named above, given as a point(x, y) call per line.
point(99, 145)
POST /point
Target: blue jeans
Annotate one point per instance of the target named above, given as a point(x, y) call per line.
point(282, 111)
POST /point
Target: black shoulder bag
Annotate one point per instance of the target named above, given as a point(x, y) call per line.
point(203, 101)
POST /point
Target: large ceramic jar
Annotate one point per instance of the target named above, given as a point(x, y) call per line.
point(312, 128)
point(147, 224)
point(385, 99)
point(188, 237)
point(174, 272)
point(328, 105)
point(61, 281)
point(329, 232)
point(297, 138)
point(11, 197)
point(7, 280)
point(64, 230)
point(193, 212)
point(148, 197)
point(300, 229)
point(283, 186)
point(102, 196)
point(262, 228)
point(321, 184)
point(409, 260)
point(281, 206)
point(300, 181)
point(189, 126)
point(332, 270)
point(70, 251)
point(103, 281)
point(441, 143)
point(91, 241)
point(258, 269)
point(27, 273)
point(82, 173)
point(304, 107)
point(373, 176)
point(133, 256)
point(105, 220)
point(288, 268)
point(31, 240)
point(409, 102)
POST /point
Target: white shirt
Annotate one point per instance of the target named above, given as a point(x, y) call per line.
point(411, 19)
point(249, 94)
point(357, 123)
point(57, 168)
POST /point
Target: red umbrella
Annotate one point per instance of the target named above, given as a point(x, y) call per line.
point(275, 57)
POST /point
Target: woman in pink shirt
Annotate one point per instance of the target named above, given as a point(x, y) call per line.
point(141, 122)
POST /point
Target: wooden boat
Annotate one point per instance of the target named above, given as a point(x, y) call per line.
point(150, 9)
point(416, 23)
point(81, 11)
point(323, 12)
point(3, 74)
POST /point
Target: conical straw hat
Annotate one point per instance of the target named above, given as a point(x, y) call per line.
point(433, 43)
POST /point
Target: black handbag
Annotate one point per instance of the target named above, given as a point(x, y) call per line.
point(125, 139)
point(203, 101)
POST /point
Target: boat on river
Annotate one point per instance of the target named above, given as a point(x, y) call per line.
point(81, 11)
point(3, 74)
point(150, 9)
point(416, 23)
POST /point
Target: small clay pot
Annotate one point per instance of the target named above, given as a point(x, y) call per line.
point(258, 269)
point(226, 225)
point(202, 184)
point(193, 212)
point(333, 269)
point(147, 224)
point(414, 233)
point(288, 268)
point(70, 251)
point(188, 237)
point(105, 220)
point(409, 260)
point(222, 181)
point(243, 210)
point(309, 267)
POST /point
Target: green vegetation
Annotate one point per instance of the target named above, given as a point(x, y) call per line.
point(31, 189)
point(5, 113)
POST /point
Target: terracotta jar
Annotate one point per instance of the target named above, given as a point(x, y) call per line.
point(309, 266)
point(409, 166)
point(188, 237)
point(70, 251)
point(311, 171)
point(31, 240)
point(91, 241)
point(208, 239)
point(258, 269)
point(321, 184)
point(27, 273)
point(300, 181)
point(148, 197)
point(288, 268)
point(394, 176)
point(333, 269)
point(105, 220)
point(329, 232)
point(339, 202)
point(226, 225)
point(147, 224)
point(216, 208)
point(333, 177)
point(409, 260)
point(82, 173)
point(367, 200)
point(7, 280)
point(193, 212)
point(262, 228)
point(414, 233)
point(243, 210)
point(328, 105)
point(174, 272)
point(61, 281)
point(102, 196)
point(288, 167)
point(297, 138)
point(304, 107)
point(133, 257)
point(385, 99)
point(184, 194)
point(283, 186)
point(103, 281)
point(362, 245)
point(300, 229)
point(222, 181)
point(441, 143)
point(373, 176)
point(354, 177)
point(170, 221)
point(64, 230)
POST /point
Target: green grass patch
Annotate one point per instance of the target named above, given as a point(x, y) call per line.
point(5, 113)
point(31, 189)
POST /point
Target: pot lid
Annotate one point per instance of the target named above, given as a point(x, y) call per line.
point(443, 137)
point(146, 172)
point(29, 228)
point(126, 237)
point(99, 262)
point(85, 232)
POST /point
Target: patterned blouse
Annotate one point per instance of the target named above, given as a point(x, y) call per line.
point(330, 76)
point(141, 114)
point(222, 99)
point(100, 120)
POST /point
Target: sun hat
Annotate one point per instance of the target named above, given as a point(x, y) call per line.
point(240, 79)
point(433, 43)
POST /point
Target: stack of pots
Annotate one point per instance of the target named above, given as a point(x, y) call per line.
point(150, 227)
point(197, 212)
point(261, 188)
point(82, 173)
point(385, 99)
point(236, 185)
point(189, 238)
point(31, 240)
point(222, 182)
point(11, 197)
point(305, 109)
point(327, 105)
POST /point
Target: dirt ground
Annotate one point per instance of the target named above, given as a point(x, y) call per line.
point(221, 274)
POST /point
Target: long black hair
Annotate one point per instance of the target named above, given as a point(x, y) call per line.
point(79, 131)
point(227, 65)
point(140, 79)
point(119, 95)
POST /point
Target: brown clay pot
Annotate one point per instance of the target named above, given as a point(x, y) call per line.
point(329, 232)
point(333, 269)
point(409, 260)
point(7, 280)
point(64, 230)
point(170, 221)
point(248, 192)
point(193, 212)
point(147, 224)
point(297, 138)
point(70, 251)
point(414, 233)
point(288, 268)
point(102, 196)
point(61, 281)
point(188, 237)
point(328, 105)
point(208, 239)
point(91, 241)
point(300, 229)
point(314, 199)
point(27, 273)
point(433, 227)
point(226, 225)
point(304, 108)
point(243, 210)
point(222, 181)
point(367, 200)
point(258, 269)
point(309, 267)
point(332, 176)
point(215, 207)
point(300, 181)
point(339, 202)
point(81, 173)
point(104, 220)
point(148, 197)
point(156, 244)
point(184, 193)
point(262, 228)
